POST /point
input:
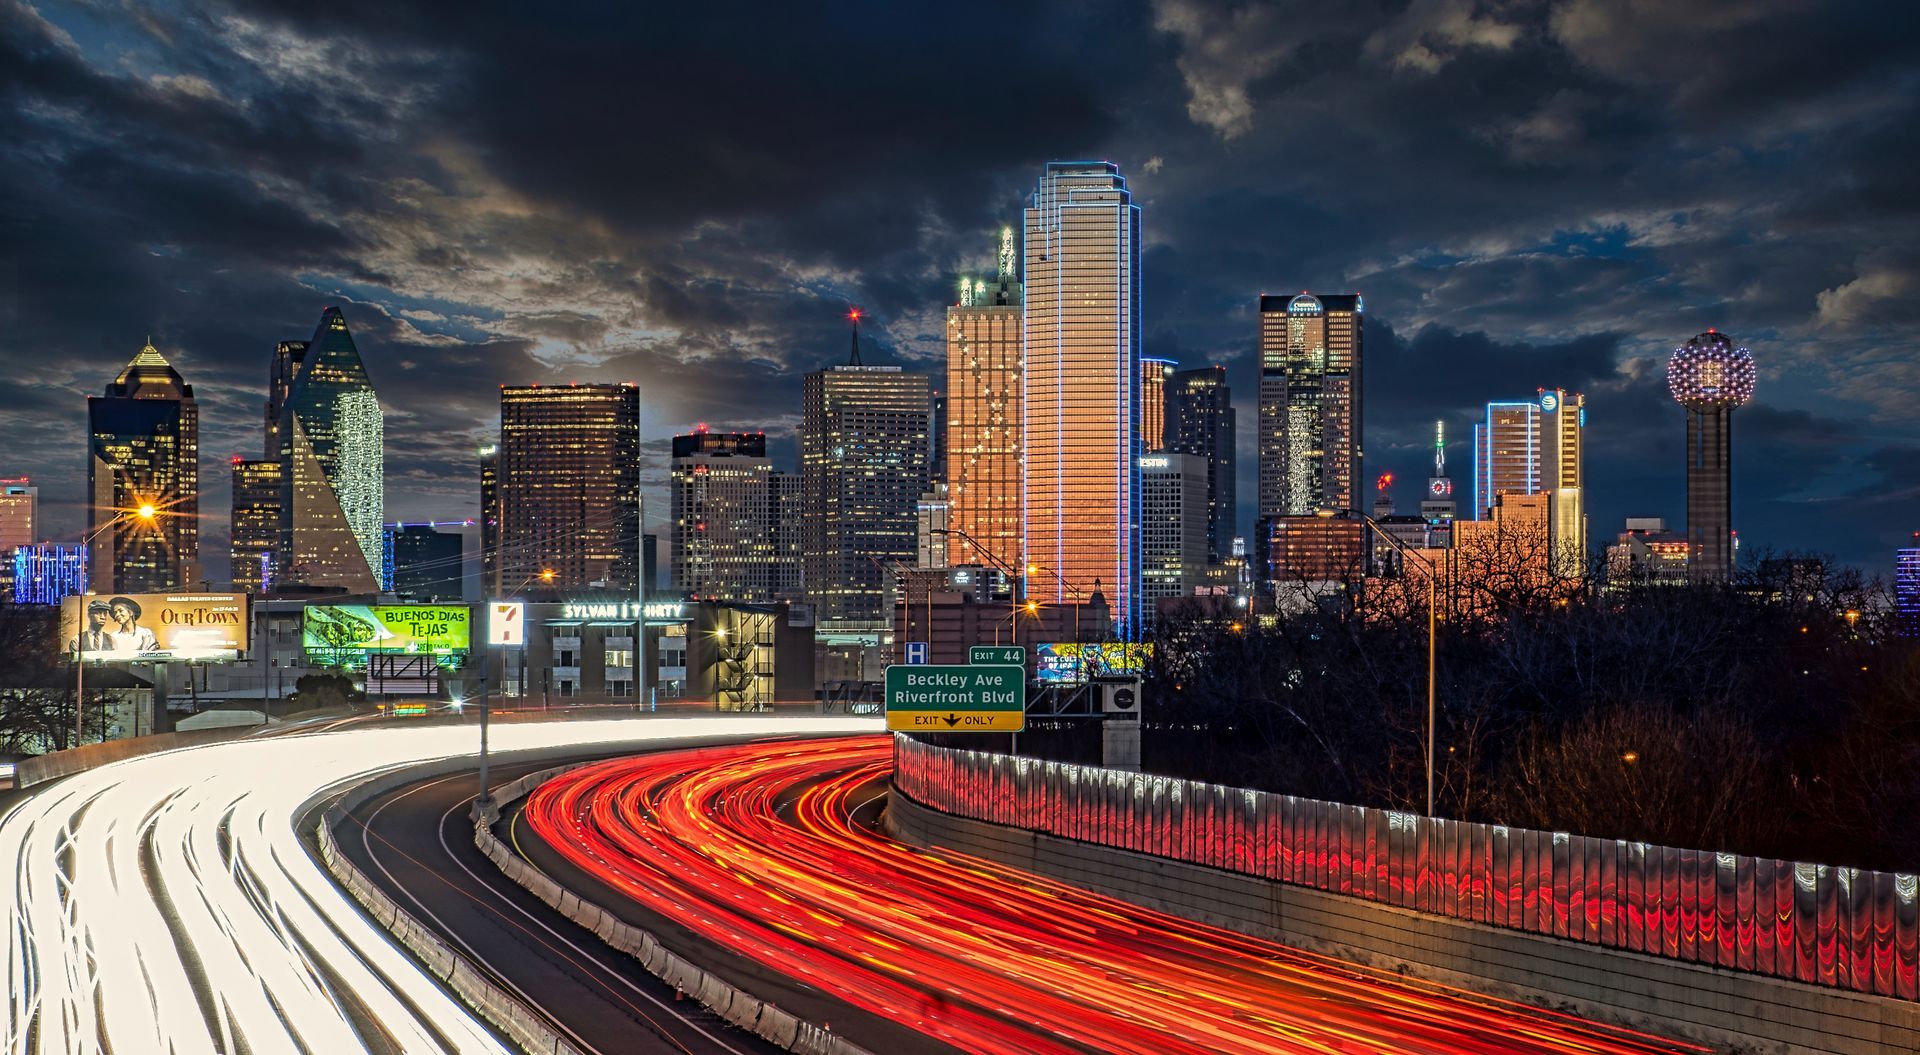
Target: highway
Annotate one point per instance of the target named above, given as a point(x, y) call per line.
point(417, 843)
point(168, 903)
point(769, 849)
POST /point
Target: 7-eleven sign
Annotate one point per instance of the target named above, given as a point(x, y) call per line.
point(506, 623)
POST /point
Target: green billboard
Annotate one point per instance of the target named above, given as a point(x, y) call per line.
point(340, 632)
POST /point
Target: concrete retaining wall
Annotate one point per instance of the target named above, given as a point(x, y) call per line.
point(1725, 1009)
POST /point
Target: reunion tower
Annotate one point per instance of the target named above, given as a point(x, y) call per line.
point(1710, 377)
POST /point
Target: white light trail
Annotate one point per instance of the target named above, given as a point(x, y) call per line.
point(166, 904)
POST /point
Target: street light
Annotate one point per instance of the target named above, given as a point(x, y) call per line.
point(146, 513)
point(1433, 576)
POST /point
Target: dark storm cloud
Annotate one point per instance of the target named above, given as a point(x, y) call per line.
point(1554, 192)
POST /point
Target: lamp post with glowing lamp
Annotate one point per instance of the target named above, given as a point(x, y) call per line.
point(144, 513)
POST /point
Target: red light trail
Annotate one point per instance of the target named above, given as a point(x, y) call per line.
point(754, 846)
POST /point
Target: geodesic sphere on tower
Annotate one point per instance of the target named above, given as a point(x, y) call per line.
point(1709, 372)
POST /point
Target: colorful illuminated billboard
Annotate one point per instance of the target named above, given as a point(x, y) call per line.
point(1069, 662)
point(155, 627)
point(350, 631)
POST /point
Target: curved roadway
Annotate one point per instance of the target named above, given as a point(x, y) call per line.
point(168, 904)
point(759, 848)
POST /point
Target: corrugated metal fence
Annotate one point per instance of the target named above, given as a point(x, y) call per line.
point(1842, 927)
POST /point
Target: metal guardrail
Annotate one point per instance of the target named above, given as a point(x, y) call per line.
point(1845, 928)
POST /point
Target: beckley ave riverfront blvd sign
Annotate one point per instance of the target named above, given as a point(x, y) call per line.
point(971, 699)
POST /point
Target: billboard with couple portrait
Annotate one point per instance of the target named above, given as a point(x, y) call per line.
point(155, 627)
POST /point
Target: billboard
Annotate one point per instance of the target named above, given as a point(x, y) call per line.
point(155, 627)
point(1069, 662)
point(506, 623)
point(352, 631)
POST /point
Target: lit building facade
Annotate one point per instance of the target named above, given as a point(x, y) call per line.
point(984, 416)
point(19, 514)
point(45, 572)
point(1647, 553)
point(865, 457)
point(1536, 447)
point(255, 523)
point(1082, 401)
point(1906, 588)
point(1155, 374)
point(1200, 421)
point(568, 487)
point(932, 529)
point(332, 466)
point(1173, 525)
point(722, 500)
point(1710, 377)
point(1314, 550)
point(424, 562)
point(145, 451)
point(489, 456)
point(787, 497)
point(287, 357)
point(1311, 355)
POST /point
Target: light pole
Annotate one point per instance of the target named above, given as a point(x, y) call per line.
point(146, 513)
point(1433, 576)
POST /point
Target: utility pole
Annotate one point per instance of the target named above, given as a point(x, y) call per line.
point(485, 798)
point(640, 592)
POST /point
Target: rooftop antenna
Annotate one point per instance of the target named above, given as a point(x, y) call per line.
point(1006, 254)
point(1439, 448)
point(853, 315)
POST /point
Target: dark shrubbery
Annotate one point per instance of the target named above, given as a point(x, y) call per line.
point(1778, 716)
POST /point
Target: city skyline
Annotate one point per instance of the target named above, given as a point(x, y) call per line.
point(1571, 228)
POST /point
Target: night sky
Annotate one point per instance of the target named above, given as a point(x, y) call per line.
point(1529, 193)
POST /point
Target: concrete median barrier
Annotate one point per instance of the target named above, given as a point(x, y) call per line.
point(731, 1003)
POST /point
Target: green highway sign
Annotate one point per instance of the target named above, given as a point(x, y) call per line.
point(956, 699)
point(1014, 655)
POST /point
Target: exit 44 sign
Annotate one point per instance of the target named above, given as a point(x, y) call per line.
point(957, 699)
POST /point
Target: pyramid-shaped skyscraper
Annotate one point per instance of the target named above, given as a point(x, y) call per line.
point(332, 466)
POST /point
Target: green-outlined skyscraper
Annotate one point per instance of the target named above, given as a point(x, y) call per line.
point(332, 467)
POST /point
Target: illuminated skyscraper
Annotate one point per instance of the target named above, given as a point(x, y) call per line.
point(1906, 589)
point(255, 523)
point(569, 485)
point(1437, 506)
point(1311, 421)
point(1173, 525)
point(1200, 420)
point(146, 451)
point(1310, 403)
point(489, 455)
point(1154, 375)
point(723, 516)
point(984, 417)
point(1535, 447)
point(1082, 399)
point(865, 452)
point(19, 514)
point(1710, 377)
point(787, 498)
point(332, 467)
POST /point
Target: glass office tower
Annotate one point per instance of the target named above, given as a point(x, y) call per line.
point(1082, 398)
